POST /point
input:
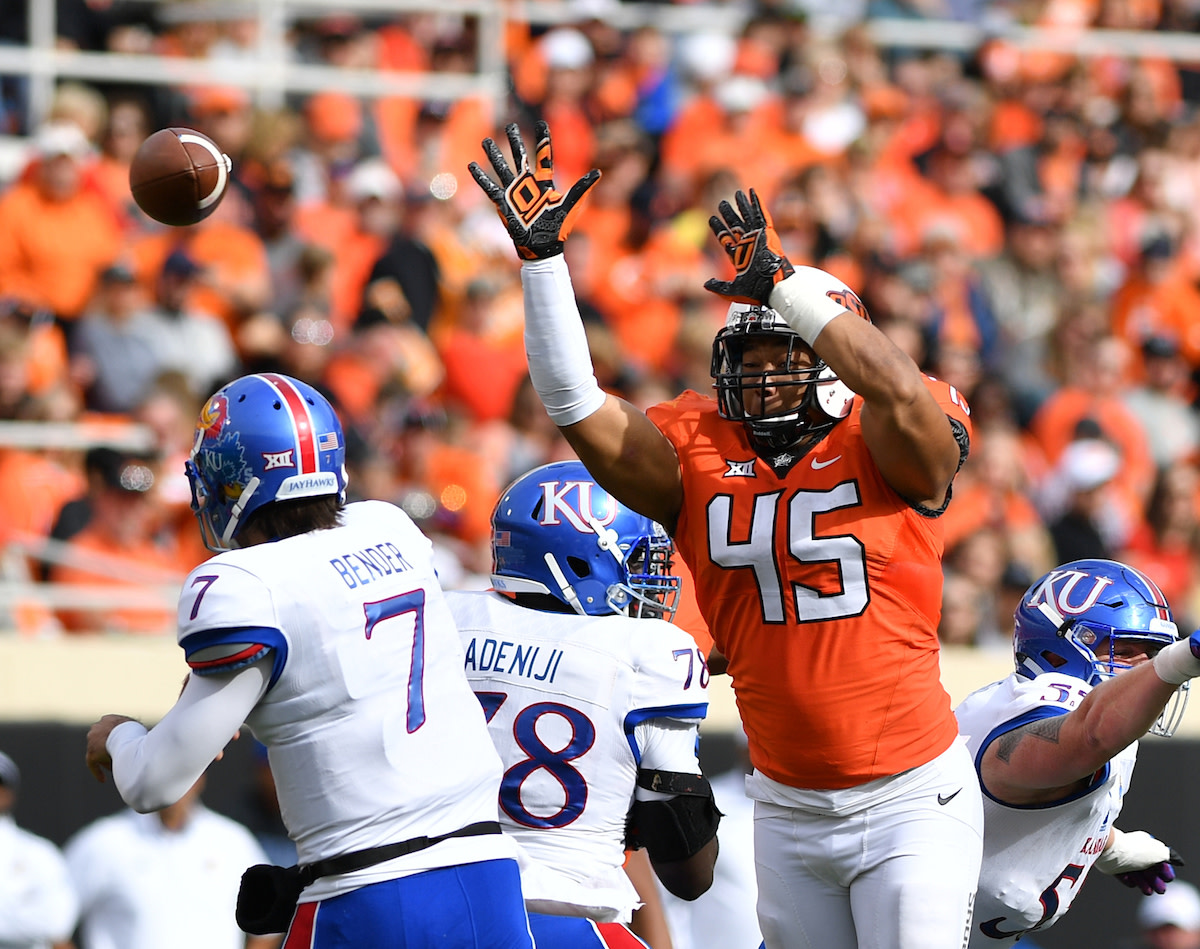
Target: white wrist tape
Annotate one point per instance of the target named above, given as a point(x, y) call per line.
point(1176, 664)
point(560, 364)
point(1135, 850)
point(803, 301)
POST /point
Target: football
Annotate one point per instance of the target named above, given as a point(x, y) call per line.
point(178, 176)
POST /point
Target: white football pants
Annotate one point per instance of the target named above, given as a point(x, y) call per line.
point(896, 869)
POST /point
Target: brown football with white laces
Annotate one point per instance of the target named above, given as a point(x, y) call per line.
point(178, 176)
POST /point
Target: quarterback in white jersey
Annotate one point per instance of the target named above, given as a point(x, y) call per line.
point(327, 633)
point(595, 713)
point(1054, 761)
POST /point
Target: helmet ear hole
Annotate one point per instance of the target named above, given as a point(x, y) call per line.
point(579, 566)
point(1053, 658)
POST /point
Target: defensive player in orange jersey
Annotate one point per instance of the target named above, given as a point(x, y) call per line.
point(805, 501)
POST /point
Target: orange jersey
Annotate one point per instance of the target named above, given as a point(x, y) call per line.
point(823, 589)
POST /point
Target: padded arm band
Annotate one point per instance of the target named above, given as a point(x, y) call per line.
point(560, 364)
point(679, 827)
point(1135, 850)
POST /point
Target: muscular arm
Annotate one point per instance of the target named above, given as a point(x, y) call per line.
point(631, 459)
point(905, 429)
point(1051, 758)
point(621, 448)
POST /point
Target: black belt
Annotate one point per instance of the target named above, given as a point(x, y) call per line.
point(360, 859)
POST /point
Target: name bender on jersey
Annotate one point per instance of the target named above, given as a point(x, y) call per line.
point(379, 560)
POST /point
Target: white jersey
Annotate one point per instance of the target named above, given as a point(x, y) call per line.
point(1035, 858)
point(38, 905)
point(372, 732)
point(142, 886)
point(564, 695)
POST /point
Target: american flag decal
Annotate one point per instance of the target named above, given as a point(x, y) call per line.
point(327, 442)
point(503, 539)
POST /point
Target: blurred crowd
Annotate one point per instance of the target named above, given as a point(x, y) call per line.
point(1022, 222)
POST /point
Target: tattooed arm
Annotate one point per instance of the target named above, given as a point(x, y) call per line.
point(1052, 758)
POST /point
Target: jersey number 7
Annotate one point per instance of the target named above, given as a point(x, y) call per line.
point(389, 608)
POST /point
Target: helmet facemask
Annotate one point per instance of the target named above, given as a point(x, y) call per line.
point(651, 591)
point(1077, 618)
point(1103, 642)
point(808, 398)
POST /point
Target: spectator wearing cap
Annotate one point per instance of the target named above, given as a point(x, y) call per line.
point(1096, 379)
point(566, 101)
point(56, 234)
point(183, 338)
point(119, 550)
point(38, 906)
point(274, 203)
point(1170, 920)
point(410, 263)
point(364, 255)
point(1157, 299)
point(1024, 292)
point(1088, 524)
point(704, 59)
point(1163, 401)
point(112, 360)
point(236, 280)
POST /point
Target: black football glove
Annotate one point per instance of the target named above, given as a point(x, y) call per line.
point(538, 217)
point(753, 246)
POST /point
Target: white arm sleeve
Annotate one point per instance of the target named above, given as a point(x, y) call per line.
point(560, 364)
point(666, 745)
point(155, 768)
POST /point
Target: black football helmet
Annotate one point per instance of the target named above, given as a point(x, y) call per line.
point(824, 402)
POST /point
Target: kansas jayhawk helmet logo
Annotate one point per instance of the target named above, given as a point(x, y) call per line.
point(242, 434)
point(556, 532)
point(1072, 620)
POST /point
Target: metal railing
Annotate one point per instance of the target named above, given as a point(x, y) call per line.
point(270, 74)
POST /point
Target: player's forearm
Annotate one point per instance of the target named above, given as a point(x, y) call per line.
point(153, 769)
point(1116, 713)
point(560, 363)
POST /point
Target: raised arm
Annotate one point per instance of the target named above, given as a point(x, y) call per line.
point(624, 451)
point(907, 432)
point(1049, 759)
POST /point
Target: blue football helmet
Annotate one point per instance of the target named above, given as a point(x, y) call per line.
point(555, 531)
point(1071, 620)
point(799, 424)
point(262, 438)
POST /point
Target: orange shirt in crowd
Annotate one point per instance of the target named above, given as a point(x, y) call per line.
point(51, 252)
point(482, 373)
point(1141, 309)
point(130, 619)
point(231, 254)
point(33, 487)
point(1053, 428)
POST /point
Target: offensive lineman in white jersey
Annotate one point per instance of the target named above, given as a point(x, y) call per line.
point(1098, 664)
point(322, 627)
point(595, 713)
